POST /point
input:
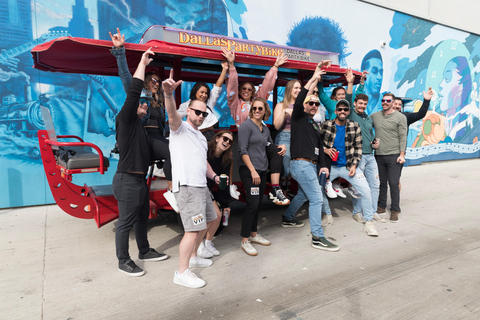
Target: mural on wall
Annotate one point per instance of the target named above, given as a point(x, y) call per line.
point(418, 54)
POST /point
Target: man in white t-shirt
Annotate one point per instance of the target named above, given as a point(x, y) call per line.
point(190, 169)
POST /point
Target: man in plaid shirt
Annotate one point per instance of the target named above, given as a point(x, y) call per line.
point(344, 137)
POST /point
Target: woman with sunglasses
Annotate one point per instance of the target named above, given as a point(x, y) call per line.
point(219, 156)
point(253, 138)
point(282, 120)
point(239, 99)
point(154, 120)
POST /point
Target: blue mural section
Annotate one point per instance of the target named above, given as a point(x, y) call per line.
point(417, 56)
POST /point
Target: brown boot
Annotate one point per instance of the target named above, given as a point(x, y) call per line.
point(394, 216)
point(381, 210)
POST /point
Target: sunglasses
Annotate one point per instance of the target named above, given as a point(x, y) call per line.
point(257, 108)
point(227, 140)
point(154, 81)
point(387, 100)
point(198, 113)
point(315, 92)
point(247, 89)
point(142, 101)
point(343, 109)
point(312, 103)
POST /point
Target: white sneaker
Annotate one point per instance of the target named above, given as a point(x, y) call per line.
point(329, 190)
point(158, 172)
point(338, 189)
point(328, 219)
point(248, 248)
point(370, 229)
point(353, 192)
point(170, 197)
point(376, 217)
point(234, 193)
point(212, 249)
point(359, 217)
point(199, 262)
point(188, 279)
point(260, 240)
point(203, 251)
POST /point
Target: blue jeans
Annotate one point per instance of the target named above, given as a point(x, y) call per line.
point(283, 137)
point(305, 173)
point(368, 165)
point(360, 183)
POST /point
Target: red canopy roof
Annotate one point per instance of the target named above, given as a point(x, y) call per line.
point(90, 56)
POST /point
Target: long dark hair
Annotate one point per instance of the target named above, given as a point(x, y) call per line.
point(159, 99)
point(196, 87)
point(227, 155)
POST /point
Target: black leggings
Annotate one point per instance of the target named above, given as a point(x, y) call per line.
point(254, 196)
point(159, 150)
point(274, 159)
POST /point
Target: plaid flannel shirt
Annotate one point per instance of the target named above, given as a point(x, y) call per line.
point(353, 140)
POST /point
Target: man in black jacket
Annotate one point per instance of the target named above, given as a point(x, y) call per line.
point(129, 185)
point(307, 154)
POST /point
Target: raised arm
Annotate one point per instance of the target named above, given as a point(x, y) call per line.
point(232, 83)
point(270, 77)
point(415, 116)
point(118, 52)
point(217, 88)
point(169, 86)
point(348, 96)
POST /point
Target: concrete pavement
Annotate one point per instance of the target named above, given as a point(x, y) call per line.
point(426, 266)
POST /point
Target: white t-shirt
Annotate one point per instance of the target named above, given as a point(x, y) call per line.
point(211, 119)
point(188, 151)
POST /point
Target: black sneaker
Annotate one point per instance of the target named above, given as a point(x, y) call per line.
point(291, 223)
point(152, 255)
point(277, 196)
point(323, 244)
point(131, 269)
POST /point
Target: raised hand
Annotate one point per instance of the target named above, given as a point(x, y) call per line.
point(230, 56)
point(429, 94)
point(118, 39)
point(169, 85)
point(363, 77)
point(146, 57)
point(349, 75)
point(324, 63)
point(281, 59)
point(224, 65)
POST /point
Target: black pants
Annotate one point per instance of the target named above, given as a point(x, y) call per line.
point(389, 172)
point(131, 192)
point(159, 150)
point(254, 196)
point(274, 159)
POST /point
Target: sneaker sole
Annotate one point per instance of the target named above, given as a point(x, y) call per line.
point(371, 235)
point(181, 283)
point(138, 274)
point(292, 225)
point(363, 222)
point(394, 221)
point(263, 244)
point(250, 254)
point(325, 248)
point(165, 257)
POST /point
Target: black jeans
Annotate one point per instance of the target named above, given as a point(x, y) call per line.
point(389, 172)
point(131, 192)
point(254, 196)
point(160, 151)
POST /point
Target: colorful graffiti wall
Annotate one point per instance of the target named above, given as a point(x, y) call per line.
point(403, 54)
